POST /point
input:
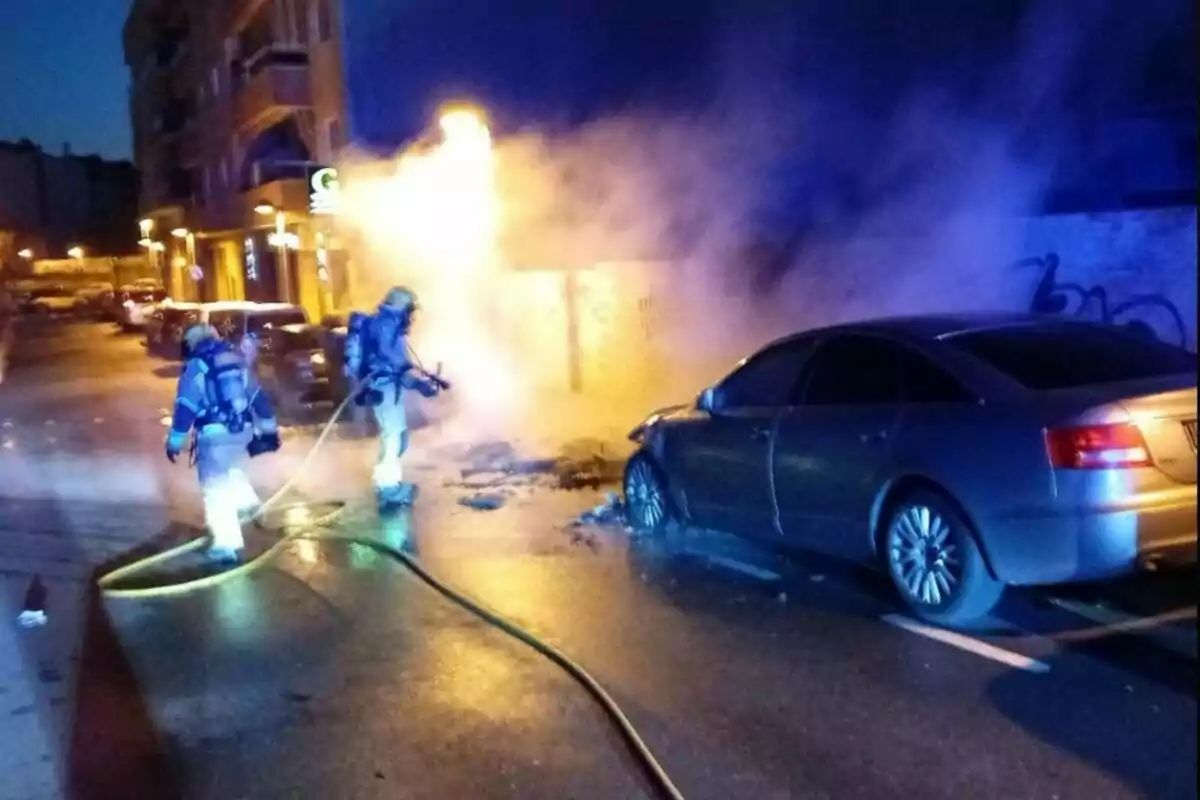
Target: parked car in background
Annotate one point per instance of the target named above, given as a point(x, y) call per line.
point(136, 305)
point(51, 301)
point(244, 323)
point(292, 367)
point(22, 299)
point(960, 454)
point(88, 298)
point(249, 325)
point(165, 326)
point(8, 312)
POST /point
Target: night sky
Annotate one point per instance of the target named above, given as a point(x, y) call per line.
point(63, 76)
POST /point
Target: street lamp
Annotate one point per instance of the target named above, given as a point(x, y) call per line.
point(76, 252)
point(189, 239)
point(281, 240)
point(146, 226)
point(26, 254)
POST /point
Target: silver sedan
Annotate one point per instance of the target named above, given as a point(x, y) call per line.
point(961, 454)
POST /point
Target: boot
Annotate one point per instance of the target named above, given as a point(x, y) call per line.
point(223, 556)
point(391, 498)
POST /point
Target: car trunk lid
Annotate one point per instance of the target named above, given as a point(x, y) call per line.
point(1167, 421)
point(1162, 408)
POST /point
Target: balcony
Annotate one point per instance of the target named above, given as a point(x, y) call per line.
point(272, 91)
point(289, 194)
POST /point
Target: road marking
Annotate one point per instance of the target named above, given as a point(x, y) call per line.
point(744, 568)
point(1118, 622)
point(979, 648)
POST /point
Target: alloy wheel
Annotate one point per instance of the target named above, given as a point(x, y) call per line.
point(644, 496)
point(924, 556)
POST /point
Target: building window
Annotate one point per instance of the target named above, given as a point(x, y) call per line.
point(322, 20)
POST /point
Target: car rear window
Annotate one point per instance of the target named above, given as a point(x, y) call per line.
point(1068, 356)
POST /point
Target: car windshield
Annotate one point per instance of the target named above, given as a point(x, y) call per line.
point(1069, 356)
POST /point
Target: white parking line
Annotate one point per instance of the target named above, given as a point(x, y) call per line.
point(976, 646)
point(1117, 622)
point(744, 568)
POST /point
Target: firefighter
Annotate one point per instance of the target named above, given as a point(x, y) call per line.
point(378, 360)
point(222, 410)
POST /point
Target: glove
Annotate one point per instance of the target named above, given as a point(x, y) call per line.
point(427, 388)
point(263, 443)
point(174, 445)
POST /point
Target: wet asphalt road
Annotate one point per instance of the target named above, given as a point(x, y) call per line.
point(336, 673)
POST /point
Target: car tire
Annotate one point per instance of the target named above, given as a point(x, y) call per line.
point(932, 555)
point(648, 505)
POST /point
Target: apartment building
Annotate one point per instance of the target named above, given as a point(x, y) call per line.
point(52, 203)
point(236, 107)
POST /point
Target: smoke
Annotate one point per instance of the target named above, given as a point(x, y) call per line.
point(796, 197)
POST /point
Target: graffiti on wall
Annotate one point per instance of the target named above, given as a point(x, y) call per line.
point(1147, 314)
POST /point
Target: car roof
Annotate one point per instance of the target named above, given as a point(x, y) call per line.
point(227, 305)
point(249, 305)
point(940, 326)
point(268, 308)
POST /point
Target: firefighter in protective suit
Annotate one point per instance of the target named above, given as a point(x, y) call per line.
point(220, 407)
point(379, 360)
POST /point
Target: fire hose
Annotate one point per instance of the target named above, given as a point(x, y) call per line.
point(317, 528)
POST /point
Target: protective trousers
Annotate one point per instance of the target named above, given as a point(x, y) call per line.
point(225, 489)
point(393, 439)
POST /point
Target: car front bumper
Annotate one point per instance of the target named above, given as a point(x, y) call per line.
point(1156, 530)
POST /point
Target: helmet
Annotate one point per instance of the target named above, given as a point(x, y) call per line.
point(195, 334)
point(400, 298)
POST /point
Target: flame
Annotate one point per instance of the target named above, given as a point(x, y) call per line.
point(429, 219)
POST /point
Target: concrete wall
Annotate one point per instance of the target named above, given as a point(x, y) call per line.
point(1133, 267)
point(1125, 267)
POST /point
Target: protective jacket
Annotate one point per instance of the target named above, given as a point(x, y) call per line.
point(217, 388)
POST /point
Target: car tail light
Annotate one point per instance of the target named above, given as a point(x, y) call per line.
point(1097, 447)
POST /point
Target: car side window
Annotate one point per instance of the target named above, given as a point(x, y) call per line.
point(767, 379)
point(225, 324)
point(925, 382)
point(854, 370)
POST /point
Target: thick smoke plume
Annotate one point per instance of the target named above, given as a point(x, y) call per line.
point(789, 202)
